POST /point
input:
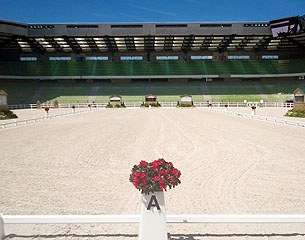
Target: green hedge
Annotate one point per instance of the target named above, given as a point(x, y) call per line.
point(296, 113)
point(7, 114)
point(151, 104)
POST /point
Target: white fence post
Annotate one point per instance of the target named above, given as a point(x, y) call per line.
point(2, 233)
point(153, 219)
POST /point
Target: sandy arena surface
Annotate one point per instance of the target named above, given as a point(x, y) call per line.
point(80, 164)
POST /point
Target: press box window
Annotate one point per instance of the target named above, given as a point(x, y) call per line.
point(201, 57)
point(59, 58)
point(238, 57)
point(167, 57)
point(270, 57)
point(97, 58)
point(28, 59)
point(131, 58)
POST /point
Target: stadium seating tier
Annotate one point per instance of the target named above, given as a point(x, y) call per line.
point(157, 68)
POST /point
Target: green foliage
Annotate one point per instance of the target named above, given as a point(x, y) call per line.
point(179, 104)
point(109, 105)
point(7, 114)
point(296, 113)
point(151, 104)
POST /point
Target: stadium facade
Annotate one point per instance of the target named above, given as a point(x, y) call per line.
point(177, 52)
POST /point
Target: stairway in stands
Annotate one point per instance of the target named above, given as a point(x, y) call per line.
point(93, 92)
point(205, 91)
point(37, 94)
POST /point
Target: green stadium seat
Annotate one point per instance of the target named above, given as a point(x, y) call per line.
point(157, 68)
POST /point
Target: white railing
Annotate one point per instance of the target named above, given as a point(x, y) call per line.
point(133, 104)
point(168, 104)
point(263, 118)
point(242, 104)
point(22, 106)
point(163, 104)
point(134, 218)
point(76, 105)
point(40, 119)
point(91, 219)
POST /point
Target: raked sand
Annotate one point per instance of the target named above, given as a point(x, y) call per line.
point(81, 164)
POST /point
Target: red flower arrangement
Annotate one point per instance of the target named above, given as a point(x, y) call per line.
point(253, 107)
point(154, 176)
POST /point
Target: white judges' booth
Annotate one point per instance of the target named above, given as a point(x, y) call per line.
point(115, 100)
point(299, 101)
point(186, 100)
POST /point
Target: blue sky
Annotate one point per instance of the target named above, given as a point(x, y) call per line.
point(52, 11)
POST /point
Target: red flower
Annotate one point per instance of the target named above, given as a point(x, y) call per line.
point(143, 163)
point(174, 182)
point(154, 176)
point(143, 175)
point(175, 172)
point(155, 164)
point(161, 181)
point(143, 181)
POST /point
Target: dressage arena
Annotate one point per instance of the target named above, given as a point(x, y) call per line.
point(80, 164)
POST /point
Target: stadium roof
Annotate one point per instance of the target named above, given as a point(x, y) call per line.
point(123, 37)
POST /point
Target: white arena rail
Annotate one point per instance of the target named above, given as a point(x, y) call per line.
point(262, 118)
point(40, 119)
point(163, 104)
point(91, 219)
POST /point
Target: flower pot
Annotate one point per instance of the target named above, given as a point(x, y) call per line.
point(153, 218)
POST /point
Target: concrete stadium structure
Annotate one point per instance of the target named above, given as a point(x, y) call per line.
point(130, 52)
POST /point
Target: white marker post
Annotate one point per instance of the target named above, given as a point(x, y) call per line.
point(2, 233)
point(226, 108)
point(253, 111)
point(47, 111)
point(153, 218)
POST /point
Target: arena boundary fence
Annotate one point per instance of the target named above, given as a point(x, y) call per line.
point(284, 121)
point(40, 119)
point(215, 107)
point(163, 104)
point(107, 219)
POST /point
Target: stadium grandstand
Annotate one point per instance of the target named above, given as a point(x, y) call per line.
point(214, 61)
